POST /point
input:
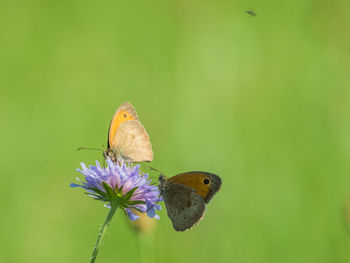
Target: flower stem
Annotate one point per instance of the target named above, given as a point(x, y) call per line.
point(114, 206)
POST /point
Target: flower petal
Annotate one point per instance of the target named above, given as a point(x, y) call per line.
point(131, 215)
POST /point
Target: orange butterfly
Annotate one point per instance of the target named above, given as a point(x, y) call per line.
point(127, 138)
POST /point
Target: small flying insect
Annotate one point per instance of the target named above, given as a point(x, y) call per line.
point(250, 12)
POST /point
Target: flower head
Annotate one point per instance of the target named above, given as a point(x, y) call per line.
point(122, 183)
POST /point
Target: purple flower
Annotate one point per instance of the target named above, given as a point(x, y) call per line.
point(121, 183)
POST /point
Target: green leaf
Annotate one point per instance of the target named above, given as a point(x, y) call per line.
point(129, 194)
point(125, 212)
point(98, 197)
point(98, 191)
point(120, 190)
point(108, 189)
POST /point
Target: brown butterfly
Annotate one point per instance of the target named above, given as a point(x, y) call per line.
point(127, 138)
point(185, 196)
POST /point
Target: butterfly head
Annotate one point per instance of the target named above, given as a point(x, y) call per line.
point(111, 154)
point(162, 184)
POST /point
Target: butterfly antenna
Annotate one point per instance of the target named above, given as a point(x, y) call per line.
point(88, 148)
point(154, 169)
point(150, 170)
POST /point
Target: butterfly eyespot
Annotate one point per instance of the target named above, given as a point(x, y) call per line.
point(206, 181)
point(125, 115)
point(194, 203)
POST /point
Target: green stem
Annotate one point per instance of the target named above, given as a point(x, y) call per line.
point(114, 206)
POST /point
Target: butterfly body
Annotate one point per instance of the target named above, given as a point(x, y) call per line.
point(127, 138)
point(185, 196)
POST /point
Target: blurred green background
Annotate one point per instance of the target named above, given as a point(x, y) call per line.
point(262, 101)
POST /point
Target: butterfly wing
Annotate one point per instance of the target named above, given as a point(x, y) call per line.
point(125, 112)
point(184, 206)
point(204, 183)
point(131, 141)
